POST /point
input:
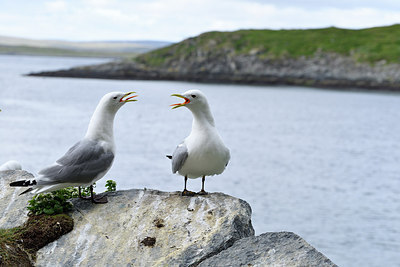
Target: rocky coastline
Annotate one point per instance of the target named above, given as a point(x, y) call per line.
point(141, 227)
point(324, 70)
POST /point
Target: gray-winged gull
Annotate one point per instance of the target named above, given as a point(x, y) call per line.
point(89, 159)
point(202, 153)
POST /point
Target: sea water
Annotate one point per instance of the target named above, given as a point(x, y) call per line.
point(321, 163)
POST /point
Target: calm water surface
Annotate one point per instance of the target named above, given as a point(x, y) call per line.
point(323, 164)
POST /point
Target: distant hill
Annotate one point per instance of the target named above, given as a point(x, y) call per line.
point(14, 45)
point(329, 57)
point(365, 45)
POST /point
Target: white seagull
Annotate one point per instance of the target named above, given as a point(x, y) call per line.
point(202, 153)
point(89, 159)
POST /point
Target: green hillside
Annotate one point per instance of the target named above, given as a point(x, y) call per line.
point(365, 45)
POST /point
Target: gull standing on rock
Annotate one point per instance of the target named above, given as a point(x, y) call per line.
point(89, 159)
point(202, 153)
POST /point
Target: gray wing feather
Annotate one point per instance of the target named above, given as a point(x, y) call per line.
point(81, 164)
point(179, 157)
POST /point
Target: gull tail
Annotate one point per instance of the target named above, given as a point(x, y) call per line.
point(26, 191)
point(169, 156)
point(23, 183)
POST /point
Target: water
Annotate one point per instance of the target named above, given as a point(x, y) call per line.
point(323, 164)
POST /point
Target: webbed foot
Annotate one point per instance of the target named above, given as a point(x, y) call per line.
point(188, 193)
point(202, 192)
point(100, 200)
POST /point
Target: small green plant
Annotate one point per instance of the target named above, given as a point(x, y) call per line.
point(85, 191)
point(52, 203)
point(57, 202)
point(111, 186)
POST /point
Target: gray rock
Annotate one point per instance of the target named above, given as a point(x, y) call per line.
point(269, 249)
point(149, 228)
point(13, 210)
point(154, 228)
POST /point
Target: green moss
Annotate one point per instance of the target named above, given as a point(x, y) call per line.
point(19, 245)
point(10, 254)
point(365, 45)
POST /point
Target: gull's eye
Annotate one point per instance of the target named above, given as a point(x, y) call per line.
point(193, 96)
point(115, 97)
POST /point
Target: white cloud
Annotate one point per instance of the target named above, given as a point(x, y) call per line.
point(56, 6)
point(175, 20)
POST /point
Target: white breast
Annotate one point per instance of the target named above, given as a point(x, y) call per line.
point(207, 155)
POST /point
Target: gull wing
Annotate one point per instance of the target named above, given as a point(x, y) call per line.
point(81, 164)
point(179, 157)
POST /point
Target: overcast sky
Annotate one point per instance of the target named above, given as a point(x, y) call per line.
point(175, 20)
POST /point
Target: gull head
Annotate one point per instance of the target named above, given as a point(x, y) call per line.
point(194, 99)
point(114, 100)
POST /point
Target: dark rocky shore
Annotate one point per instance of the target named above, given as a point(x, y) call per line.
point(326, 70)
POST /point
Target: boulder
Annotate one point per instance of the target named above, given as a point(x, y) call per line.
point(13, 210)
point(270, 249)
point(141, 227)
point(149, 228)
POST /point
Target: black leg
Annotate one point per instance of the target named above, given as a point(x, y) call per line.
point(91, 193)
point(185, 182)
point(202, 192)
point(185, 191)
point(97, 200)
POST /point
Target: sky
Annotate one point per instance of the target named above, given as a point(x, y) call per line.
point(175, 20)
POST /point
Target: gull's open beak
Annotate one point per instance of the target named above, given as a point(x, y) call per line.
point(128, 99)
point(187, 101)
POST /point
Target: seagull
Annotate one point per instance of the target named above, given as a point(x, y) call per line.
point(11, 165)
point(203, 152)
point(89, 159)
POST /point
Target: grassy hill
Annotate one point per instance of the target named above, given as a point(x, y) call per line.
point(330, 57)
point(365, 45)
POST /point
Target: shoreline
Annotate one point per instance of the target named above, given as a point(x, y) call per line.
point(335, 84)
point(324, 70)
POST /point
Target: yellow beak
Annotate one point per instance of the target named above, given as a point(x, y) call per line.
point(187, 101)
point(128, 99)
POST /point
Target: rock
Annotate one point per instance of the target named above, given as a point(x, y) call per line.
point(149, 228)
point(153, 228)
point(269, 249)
point(11, 165)
point(13, 210)
point(323, 70)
